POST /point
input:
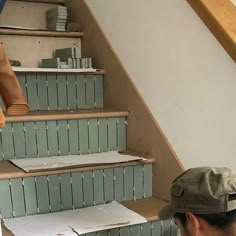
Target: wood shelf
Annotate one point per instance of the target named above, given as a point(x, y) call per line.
point(10, 171)
point(67, 115)
point(220, 17)
point(55, 70)
point(40, 33)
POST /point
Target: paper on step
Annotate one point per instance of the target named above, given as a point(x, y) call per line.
point(74, 222)
point(62, 162)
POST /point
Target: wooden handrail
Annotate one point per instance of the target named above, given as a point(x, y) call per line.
point(220, 17)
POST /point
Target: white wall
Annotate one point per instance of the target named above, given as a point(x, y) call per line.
point(185, 76)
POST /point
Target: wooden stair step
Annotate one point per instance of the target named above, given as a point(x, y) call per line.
point(40, 33)
point(67, 115)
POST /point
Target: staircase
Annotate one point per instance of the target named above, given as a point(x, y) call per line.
point(67, 117)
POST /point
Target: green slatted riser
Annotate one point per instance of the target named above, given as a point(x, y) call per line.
point(53, 193)
point(156, 228)
point(64, 137)
point(61, 91)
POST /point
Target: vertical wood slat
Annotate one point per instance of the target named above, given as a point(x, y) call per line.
point(121, 133)
point(41, 137)
point(52, 138)
point(52, 92)
point(22, 81)
point(138, 182)
point(73, 137)
point(7, 141)
point(30, 139)
point(5, 196)
point(83, 136)
point(98, 187)
point(88, 195)
point(81, 94)
point(146, 229)
point(1, 147)
point(32, 91)
point(119, 184)
point(63, 137)
point(157, 228)
point(90, 91)
point(77, 189)
point(112, 134)
point(108, 185)
point(66, 192)
point(99, 91)
point(128, 183)
point(102, 135)
point(62, 92)
point(93, 135)
point(71, 92)
point(135, 230)
point(125, 231)
point(147, 181)
point(54, 193)
point(42, 91)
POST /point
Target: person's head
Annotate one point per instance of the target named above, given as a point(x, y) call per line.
point(203, 202)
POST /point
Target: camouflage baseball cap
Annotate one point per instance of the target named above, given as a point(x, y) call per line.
point(203, 190)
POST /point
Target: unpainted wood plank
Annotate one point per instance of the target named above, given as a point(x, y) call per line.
point(119, 184)
point(54, 193)
point(42, 194)
point(88, 194)
point(19, 140)
point(30, 139)
point(63, 138)
point(98, 187)
point(30, 196)
point(83, 136)
point(5, 196)
point(52, 92)
point(66, 192)
point(128, 183)
point(138, 182)
point(62, 92)
point(41, 137)
point(71, 91)
point(146, 229)
point(18, 201)
point(81, 91)
point(7, 141)
point(102, 134)
point(77, 189)
point(99, 91)
point(112, 134)
point(147, 172)
point(73, 137)
point(42, 91)
point(93, 135)
point(90, 91)
point(32, 91)
point(52, 138)
point(121, 133)
point(108, 185)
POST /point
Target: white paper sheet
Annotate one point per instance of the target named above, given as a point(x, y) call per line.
point(74, 222)
point(57, 162)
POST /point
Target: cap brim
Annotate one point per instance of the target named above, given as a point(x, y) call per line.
point(166, 212)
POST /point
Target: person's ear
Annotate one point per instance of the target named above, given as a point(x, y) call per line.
point(193, 224)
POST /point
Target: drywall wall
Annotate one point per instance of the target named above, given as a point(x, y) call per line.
point(186, 78)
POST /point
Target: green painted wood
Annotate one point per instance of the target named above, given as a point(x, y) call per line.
point(174, 228)
point(71, 91)
point(30, 196)
point(156, 228)
point(41, 137)
point(102, 134)
point(63, 138)
point(17, 194)
point(112, 134)
point(54, 193)
point(93, 135)
point(121, 130)
point(102, 233)
point(42, 194)
point(52, 138)
point(81, 91)
point(73, 137)
point(32, 91)
point(166, 227)
point(2, 105)
point(91, 234)
point(125, 231)
point(88, 194)
point(30, 139)
point(99, 91)
point(62, 91)
point(66, 192)
point(1, 148)
point(42, 91)
point(146, 229)
point(147, 171)
point(90, 91)
point(5, 196)
point(138, 182)
point(7, 142)
point(52, 92)
point(83, 136)
point(108, 185)
point(22, 81)
point(128, 183)
point(119, 183)
point(114, 232)
point(98, 187)
point(135, 230)
point(19, 140)
point(77, 190)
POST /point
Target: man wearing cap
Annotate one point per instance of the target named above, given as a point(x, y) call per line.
point(203, 202)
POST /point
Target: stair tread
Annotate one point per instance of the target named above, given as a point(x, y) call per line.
point(55, 70)
point(40, 33)
point(147, 208)
point(67, 115)
point(9, 170)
